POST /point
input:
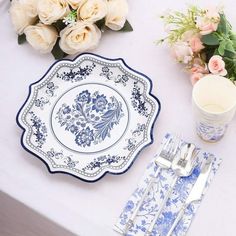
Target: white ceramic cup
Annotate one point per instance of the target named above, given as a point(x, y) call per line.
point(214, 105)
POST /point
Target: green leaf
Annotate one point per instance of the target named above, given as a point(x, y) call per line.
point(21, 39)
point(216, 52)
point(229, 54)
point(100, 23)
point(210, 39)
point(221, 48)
point(59, 25)
point(229, 46)
point(127, 27)
point(223, 26)
point(57, 52)
point(230, 66)
point(232, 36)
point(234, 43)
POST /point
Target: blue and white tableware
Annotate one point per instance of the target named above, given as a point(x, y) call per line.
point(89, 116)
point(180, 196)
point(214, 105)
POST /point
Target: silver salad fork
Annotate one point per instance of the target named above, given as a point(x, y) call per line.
point(182, 166)
point(163, 160)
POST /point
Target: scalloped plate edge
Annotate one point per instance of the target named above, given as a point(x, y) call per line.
point(52, 169)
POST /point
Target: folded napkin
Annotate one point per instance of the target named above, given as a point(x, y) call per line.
point(156, 195)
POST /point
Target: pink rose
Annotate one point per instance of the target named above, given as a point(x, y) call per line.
point(196, 44)
point(199, 66)
point(209, 22)
point(198, 69)
point(195, 77)
point(217, 66)
point(182, 52)
point(207, 28)
point(198, 61)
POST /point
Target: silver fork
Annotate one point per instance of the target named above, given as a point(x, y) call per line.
point(187, 159)
point(164, 160)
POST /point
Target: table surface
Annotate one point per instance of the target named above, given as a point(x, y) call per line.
point(93, 208)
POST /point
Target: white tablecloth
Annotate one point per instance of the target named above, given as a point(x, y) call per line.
point(92, 209)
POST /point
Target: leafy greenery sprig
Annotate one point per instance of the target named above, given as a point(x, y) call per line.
point(178, 23)
point(220, 42)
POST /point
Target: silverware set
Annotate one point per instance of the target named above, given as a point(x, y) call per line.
point(164, 160)
point(182, 159)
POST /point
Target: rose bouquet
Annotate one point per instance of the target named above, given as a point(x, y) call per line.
point(65, 27)
point(203, 40)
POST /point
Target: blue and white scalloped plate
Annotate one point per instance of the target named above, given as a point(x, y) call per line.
point(89, 116)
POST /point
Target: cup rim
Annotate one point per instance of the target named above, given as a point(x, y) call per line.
point(212, 77)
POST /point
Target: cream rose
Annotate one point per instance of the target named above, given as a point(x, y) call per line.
point(216, 65)
point(41, 37)
point(74, 3)
point(182, 52)
point(50, 11)
point(92, 10)
point(79, 37)
point(23, 13)
point(117, 13)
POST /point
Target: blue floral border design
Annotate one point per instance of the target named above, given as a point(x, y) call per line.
point(75, 75)
point(108, 74)
point(104, 160)
point(60, 155)
point(50, 92)
point(138, 101)
point(99, 57)
point(39, 129)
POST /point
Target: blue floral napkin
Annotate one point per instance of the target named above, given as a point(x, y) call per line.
point(152, 201)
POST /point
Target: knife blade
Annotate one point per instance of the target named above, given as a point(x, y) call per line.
point(196, 192)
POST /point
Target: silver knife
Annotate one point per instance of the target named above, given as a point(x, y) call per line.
point(196, 192)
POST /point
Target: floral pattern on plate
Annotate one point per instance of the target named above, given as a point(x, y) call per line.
point(157, 193)
point(89, 117)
